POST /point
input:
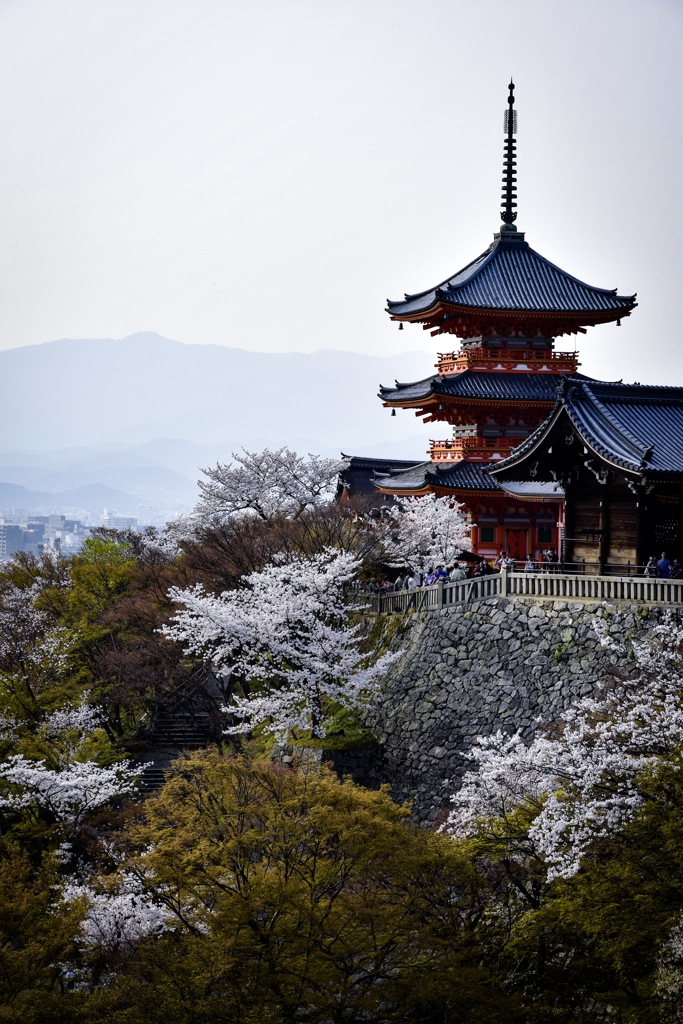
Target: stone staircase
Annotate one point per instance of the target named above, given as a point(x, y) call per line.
point(182, 727)
point(185, 725)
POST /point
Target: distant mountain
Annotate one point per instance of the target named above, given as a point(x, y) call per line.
point(144, 387)
point(139, 417)
point(92, 498)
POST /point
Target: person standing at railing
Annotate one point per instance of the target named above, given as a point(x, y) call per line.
point(664, 567)
point(651, 569)
point(676, 570)
point(457, 573)
point(529, 565)
point(412, 582)
point(550, 560)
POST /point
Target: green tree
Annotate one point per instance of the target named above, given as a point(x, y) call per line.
point(298, 897)
point(37, 943)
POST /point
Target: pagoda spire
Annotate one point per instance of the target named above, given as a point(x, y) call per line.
point(509, 195)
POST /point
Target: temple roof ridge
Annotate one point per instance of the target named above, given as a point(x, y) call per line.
point(510, 279)
point(511, 275)
point(626, 424)
point(463, 475)
point(610, 424)
point(481, 384)
point(451, 277)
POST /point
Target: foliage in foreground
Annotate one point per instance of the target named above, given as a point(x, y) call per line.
point(244, 892)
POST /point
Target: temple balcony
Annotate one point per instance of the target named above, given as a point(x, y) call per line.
point(507, 360)
point(474, 449)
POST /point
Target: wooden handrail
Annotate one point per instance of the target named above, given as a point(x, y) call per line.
point(545, 585)
point(454, 362)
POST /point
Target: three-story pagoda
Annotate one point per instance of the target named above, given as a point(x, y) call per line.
point(507, 307)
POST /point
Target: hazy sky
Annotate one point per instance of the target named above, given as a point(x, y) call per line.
point(263, 174)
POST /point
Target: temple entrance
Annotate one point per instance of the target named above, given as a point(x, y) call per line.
point(516, 542)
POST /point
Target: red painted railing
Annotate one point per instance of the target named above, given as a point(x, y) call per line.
point(507, 361)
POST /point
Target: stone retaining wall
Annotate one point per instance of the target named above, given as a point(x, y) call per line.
point(501, 663)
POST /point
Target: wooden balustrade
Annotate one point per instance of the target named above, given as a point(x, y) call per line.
point(477, 447)
point(547, 585)
point(507, 359)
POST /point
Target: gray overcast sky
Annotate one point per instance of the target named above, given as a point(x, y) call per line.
point(264, 174)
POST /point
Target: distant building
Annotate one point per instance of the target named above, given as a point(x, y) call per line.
point(11, 540)
point(114, 522)
point(36, 534)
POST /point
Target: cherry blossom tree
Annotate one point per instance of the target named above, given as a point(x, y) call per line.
point(119, 913)
point(285, 636)
point(33, 652)
point(584, 781)
point(68, 792)
point(424, 532)
point(266, 484)
point(80, 719)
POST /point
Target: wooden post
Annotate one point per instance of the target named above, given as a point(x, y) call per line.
point(642, 554)
point(566, 551)
point(604, 542)
point(439, 592)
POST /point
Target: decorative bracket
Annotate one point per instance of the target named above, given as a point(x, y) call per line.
point(601, 473)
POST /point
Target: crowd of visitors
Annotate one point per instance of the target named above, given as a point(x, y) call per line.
point(658, 568)
point(664, 568)
point(548, 562)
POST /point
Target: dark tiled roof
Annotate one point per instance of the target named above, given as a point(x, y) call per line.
point(511, 275)
point(359, 475)
point(379, 465)
point(464, 476)
point(637, 426)
point(533, 489)
point(529, 387)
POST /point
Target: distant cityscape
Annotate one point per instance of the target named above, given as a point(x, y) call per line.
point(35, 534)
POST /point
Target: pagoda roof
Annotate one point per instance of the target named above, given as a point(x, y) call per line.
point(514, 387)
point(547, 489)
point(511, 276)
point(461, 476)
point(375, 465)
point(358, 475)
point(634, 426)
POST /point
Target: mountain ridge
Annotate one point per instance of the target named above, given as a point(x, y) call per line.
point(143, 414)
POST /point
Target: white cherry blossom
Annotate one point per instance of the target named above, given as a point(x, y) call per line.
point(120, 917)
point(68, 792)
point(286, 632)
point(583, 782)
point(423, 532)
point(266, 484)
point(82, 718)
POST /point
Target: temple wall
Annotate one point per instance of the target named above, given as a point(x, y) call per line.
point(501, 663)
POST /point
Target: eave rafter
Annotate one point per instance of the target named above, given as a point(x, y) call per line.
point(466, 322)
point(440, 491)
point(428, 406)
